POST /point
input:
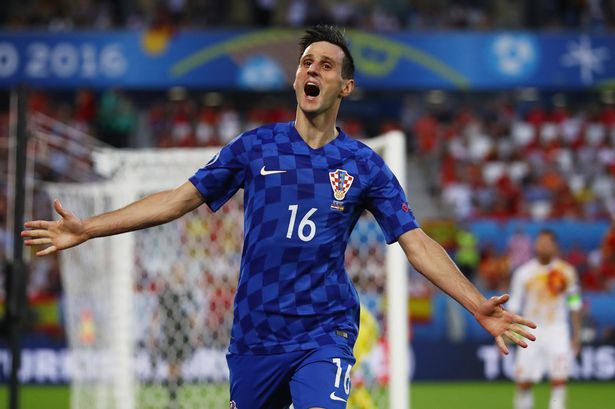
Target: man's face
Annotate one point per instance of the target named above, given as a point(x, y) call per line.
point(545, 247)
point(318, 82)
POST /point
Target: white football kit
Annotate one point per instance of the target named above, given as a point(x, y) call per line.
point(545, 294)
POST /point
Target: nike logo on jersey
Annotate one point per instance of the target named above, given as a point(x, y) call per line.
point(265, 172)
point(333, 397)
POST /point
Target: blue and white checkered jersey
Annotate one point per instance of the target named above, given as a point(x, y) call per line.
point(300, 206)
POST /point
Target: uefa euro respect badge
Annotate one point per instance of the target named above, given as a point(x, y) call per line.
point(340, 182)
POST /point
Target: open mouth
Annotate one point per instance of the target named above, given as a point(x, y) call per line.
point(311, 90)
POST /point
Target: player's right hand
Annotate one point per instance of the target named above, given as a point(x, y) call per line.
point(56, 235)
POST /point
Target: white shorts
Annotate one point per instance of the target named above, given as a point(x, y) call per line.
point(551, 353)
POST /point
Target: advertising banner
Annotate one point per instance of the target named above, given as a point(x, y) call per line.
point(431, 361)
point(267, 60)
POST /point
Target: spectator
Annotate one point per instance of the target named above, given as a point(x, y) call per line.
point(591, 15)
point(577, 257)
point(85, 109)
point(459, 197)
point(296, 15)
point(607, 272)
point(230, 125)
point(519, 248)
point(117, 118)
point(493, 271)
point(467, 255)
point(592, 280)
point(263, 11)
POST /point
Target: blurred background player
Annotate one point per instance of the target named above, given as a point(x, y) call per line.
point(360, 397)
point(172, 330)
point(545, 289)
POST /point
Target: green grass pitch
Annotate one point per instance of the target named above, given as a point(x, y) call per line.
point(445, 395)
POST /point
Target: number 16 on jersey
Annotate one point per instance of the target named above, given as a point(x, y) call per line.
point(304, 224)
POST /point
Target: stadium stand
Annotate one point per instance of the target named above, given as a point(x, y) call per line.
point(61, 15)
point(536, 159)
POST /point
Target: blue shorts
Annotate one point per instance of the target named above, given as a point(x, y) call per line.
point(315, 378)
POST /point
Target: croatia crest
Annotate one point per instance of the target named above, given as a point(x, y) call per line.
point(340, 182)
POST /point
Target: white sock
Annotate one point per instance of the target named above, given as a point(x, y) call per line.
point(524, 399)
point(558, 397)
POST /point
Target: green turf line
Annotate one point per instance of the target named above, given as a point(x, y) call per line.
point(445, 395)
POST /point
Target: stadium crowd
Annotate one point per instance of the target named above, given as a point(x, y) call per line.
point(496, 157)
point(501, 162)
point(390, 15)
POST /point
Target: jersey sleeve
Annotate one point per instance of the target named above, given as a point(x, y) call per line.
point(386, 200)
point(220, 179)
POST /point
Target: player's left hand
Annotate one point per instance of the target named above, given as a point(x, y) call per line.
point(501, 323)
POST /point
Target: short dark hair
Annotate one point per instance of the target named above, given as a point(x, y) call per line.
point(548, 232)
point(333, 35)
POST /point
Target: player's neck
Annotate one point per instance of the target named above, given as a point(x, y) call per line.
point(545, 261)
point(317, 130)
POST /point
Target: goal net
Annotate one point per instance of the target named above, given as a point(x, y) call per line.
point(149, 313)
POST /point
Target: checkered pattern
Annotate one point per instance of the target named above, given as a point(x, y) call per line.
point(295, 294)
point(340, 181)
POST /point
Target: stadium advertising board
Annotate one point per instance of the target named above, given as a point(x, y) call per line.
point(433, 361)
point(266, 60)
point(469, 361)
point(593, 363)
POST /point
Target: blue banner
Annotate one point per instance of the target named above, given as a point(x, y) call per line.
point(587, 235)
point(266, 60)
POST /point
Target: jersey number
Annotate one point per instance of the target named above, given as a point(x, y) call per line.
point(338, 375)
point(304, 224)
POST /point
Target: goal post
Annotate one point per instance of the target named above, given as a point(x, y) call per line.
point(392, 147)
point(122, 291)
point(97, 280)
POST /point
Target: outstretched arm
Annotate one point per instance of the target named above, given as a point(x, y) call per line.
point(430, 259)
point(576, 319)
point(575, 304)
point(152, 210)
